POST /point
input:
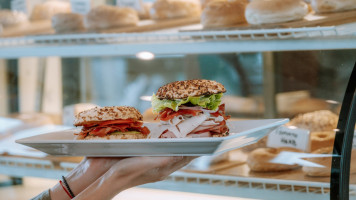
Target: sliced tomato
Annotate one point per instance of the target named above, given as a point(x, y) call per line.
point(221, 112)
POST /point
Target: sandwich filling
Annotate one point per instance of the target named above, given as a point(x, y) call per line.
point(113, 127)
point(202, 116)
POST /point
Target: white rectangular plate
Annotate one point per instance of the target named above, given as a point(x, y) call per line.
point(242, 133)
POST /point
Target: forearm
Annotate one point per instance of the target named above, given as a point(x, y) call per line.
point(88, 171)
point(106, 187)
point(132, 172)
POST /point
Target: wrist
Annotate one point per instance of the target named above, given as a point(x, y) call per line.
point(83, 175)
point(57, 193)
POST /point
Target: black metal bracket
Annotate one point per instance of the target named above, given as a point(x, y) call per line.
point(340, 171)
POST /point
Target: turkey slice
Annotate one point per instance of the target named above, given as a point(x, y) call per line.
point(176, 120)
point(190, 124)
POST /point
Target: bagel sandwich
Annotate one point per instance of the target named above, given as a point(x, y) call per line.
point(106, 123)
point(190, 108)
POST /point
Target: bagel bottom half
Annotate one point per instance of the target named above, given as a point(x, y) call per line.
point(122, 136)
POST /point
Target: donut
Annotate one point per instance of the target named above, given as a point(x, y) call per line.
point(321, 140)
point(259, 160)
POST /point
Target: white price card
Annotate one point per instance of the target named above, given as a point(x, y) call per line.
point(24, 6)
point(289, 137)
point(19, 5)
point(135, 4)
point(81, 6)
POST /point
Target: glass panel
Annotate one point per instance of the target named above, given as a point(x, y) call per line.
point(353, 170)
point(305, 86)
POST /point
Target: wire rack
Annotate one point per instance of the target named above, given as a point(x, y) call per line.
point(256, 183)
point(178, 43)
point(158, 37)
point(184, 181)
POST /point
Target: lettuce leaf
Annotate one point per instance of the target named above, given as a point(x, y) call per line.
point(127, 132)
point(211, 102)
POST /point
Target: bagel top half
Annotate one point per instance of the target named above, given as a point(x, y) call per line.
point(187, 88)
point(99, 114)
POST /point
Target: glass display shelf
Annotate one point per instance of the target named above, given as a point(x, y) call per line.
point(180, 42)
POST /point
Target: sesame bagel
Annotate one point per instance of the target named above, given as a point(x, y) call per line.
point(107, 113)
point(184, 89)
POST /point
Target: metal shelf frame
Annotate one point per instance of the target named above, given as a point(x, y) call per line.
point(194, 42)
point(187, 182)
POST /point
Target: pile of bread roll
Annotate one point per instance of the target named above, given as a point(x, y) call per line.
point(11, 18)
point(170, 9)
point(100, 17)
point(107, 16)
point(321, 125)
point(225, 13)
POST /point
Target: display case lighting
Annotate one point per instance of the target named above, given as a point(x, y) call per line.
point(146, 98)
point(145, 55)
point(332, 101)
point(292, 127)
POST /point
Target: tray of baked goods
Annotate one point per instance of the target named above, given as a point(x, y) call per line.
point(57, 17)
point(283, 154)
point(269, 14)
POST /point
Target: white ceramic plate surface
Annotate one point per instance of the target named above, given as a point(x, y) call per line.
point(242, 133)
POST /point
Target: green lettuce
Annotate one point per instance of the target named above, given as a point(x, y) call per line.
point(211, 102)
point(127, 132)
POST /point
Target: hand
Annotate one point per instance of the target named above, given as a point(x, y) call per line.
point(131, 172)
point(87, 172)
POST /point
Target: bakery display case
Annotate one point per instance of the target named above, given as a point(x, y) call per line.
point(302, 70)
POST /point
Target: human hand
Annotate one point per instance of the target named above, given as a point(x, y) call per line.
point(87, 172)
point(131, 172)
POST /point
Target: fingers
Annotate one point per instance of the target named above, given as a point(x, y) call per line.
point(183, 162)
point(165, 171)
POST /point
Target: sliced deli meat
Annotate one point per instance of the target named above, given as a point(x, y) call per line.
point(205, 124)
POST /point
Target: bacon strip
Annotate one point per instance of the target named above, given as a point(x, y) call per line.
point(103, 130)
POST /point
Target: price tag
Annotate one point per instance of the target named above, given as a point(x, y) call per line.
point(289, 137)
point(135, 4)
point(24, 5)
point(81, 6)
point(19, 5)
